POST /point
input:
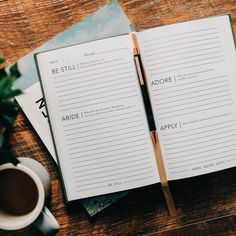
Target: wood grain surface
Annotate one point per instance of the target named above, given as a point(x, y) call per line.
point(206, 205)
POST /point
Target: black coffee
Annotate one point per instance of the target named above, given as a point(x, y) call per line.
point(18, 192)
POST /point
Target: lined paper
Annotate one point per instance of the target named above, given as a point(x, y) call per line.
point(97, 117)
point(191, 74)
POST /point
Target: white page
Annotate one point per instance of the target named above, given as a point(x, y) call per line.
point(32, 103)
point(107, 147)
point(191, 71)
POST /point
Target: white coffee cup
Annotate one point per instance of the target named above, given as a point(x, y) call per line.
point(40, 216)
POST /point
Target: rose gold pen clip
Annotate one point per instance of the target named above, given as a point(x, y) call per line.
point(152, 127)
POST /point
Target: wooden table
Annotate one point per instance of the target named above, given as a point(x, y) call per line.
point(206, 205)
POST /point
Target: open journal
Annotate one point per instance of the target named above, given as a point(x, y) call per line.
point(97, 114)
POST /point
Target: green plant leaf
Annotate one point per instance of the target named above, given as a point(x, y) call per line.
point(1, 139)
point(2, 60)
point(14, 71)
point(9, 109)
point(8, 106)
point(7, 157)
point(7, 120)
point(6, 84)
point(11, 94)
point(3, 73)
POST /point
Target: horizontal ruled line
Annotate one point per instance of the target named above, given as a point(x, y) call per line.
point(202, 132)
point(202, 127)
point(184, 63)
point(200, 162)
point(182, 53)
point(187, 103)
point(133, 136)
point(109, 136)
point(105, 92)
point(112, 50)
point(81, 72)
point(92, 66)
point(188, 32)
point(91, 125)
point(200, 152)
point(123, 158)
point(76, 162)
point(195, 82)
point(109, 146)
point(92, 99)
point(183, 58)
point(80, 190)
point(196, 143)
point(207, 94)
point(98, 73)
point(207, 136)
point(198, 91)
point(85, 86)
point(233, 159)
point(177, 49)
point(97, 78)
point(92, 89)
point(92, 104)
point(161, 72)
point(174, 40)
point(203, 157)
point(201, 105)
point(210, 108)
point(192, 87)
point(110, 170)
point(135, 180)
point(191, 149)
point(105, 132)
point(109, 141)
point(116, 174)
point(177, 44)
point(102, 118)
point(107, 181)
point(127, 162)
point(111, 126)
point(181, 171)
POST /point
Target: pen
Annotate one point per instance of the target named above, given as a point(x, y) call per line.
point(152, 126)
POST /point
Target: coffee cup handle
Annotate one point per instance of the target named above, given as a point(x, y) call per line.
point(46, 223)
